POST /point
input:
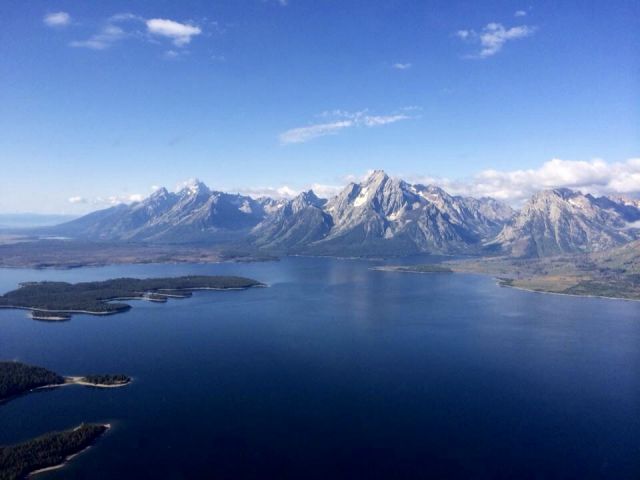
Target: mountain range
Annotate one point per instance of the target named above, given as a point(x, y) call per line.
point(378, 216)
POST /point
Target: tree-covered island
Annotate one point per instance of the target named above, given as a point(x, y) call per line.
point(47, 451)
point(58, 300)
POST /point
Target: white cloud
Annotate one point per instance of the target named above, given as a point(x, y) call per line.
point(520, 13)
point(107, 201)
point(304, 134)
point(128, 25)
point(103, 39)
point(376, 120)
point(326, 191)
point(287, 192)
point(402, 66)
point(493, 36)
point(283, 192)
point(343, 120)
point(176, 54)
point(179, 33)
point(595, 176)
point(57, 19)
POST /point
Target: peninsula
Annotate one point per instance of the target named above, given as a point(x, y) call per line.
point(59, 300)
point(614, 274)
point(18, 378)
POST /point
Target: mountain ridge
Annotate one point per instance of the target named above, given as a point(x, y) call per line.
point(380, 215)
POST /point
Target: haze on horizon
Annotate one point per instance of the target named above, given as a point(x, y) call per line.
point(102, 103)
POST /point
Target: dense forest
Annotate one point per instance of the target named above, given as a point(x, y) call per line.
point(17, 461)
point(96, 297)
point(17, 378)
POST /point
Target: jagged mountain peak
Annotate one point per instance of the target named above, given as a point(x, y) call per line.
point(308, 198)
point(161, 192)
point(376, 176)
point(193, 186)
point(308, 195)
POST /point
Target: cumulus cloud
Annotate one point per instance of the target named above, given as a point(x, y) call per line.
point(520, 13)
point(341, 120)
point(514, 186)
point(77, 199)
point(402, 66)
point(493, 36)
point(128, 25)
point(179, 33)
point(57, 19)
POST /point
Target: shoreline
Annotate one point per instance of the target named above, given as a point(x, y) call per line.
point(74, 266)
point(73, 380)
point(32, 309)
point(499, 283)
point(68, 458)
point(399, 270)
point(546, 292)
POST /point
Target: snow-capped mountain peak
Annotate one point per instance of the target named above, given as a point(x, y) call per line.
point(193, 186)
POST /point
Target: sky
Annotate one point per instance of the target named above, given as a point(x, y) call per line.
point(102, 102)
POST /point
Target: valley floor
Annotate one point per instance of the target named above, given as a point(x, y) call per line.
point(584, 275)
point(26, 252)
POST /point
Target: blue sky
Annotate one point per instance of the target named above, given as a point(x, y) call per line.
point(101, 101)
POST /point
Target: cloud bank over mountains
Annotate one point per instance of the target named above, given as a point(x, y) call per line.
point(596, 176)
point(513, 186)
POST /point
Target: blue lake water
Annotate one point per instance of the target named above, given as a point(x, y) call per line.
point(338, 371)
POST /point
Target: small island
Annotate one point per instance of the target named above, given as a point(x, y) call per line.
point(426, 268)
point(101, 381)
point(57, 301)
point(18, 378)
point(47, 452)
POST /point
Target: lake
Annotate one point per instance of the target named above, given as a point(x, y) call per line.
point(338, 371)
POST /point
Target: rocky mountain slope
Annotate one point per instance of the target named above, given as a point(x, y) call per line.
point(382, 215)
point(561, 221)
point(194, 213)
